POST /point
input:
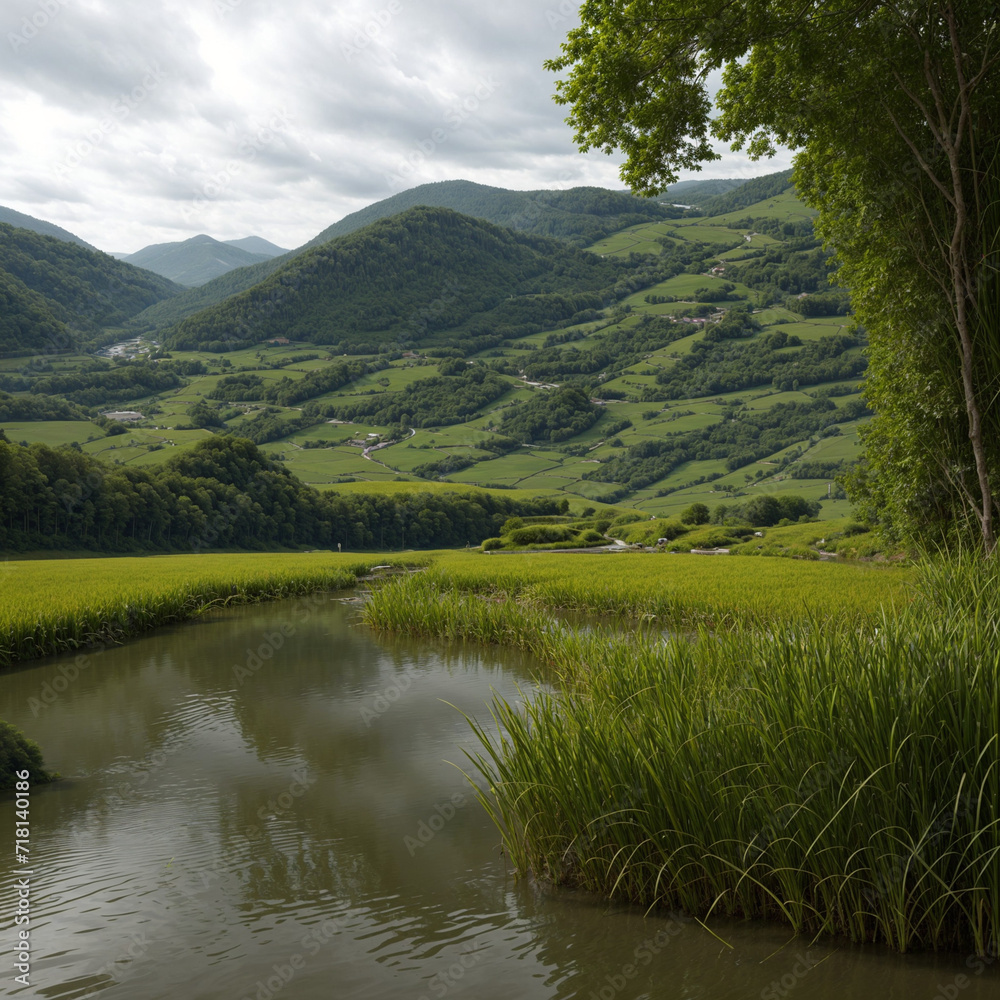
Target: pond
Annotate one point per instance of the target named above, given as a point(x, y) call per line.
point(269, 803)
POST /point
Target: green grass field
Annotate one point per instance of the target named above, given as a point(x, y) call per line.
point(50, 605)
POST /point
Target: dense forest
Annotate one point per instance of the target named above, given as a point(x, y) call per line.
point(56, 295)
point(554, 416)
point(403, 279)
point(248, 387)
point(224, 493)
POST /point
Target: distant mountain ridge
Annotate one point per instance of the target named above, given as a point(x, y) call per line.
point(583, 215)
point(201, 258)
point(22, 221)
point(694, 192)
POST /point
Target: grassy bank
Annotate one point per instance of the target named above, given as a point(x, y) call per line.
point(682, 590)
point(50, 606)
point(841, 775)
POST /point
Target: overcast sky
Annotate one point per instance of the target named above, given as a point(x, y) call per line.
point(132, 122)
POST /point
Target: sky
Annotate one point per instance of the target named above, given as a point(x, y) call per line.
point(130, 122)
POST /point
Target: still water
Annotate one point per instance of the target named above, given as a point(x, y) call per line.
point(267, 804)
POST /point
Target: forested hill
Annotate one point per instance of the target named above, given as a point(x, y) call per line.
point(580, 215)
point(22, 221)
point(755, 190)
point(225, 493)
point(56, 295)
point(427, 276)
point(583, 214)
point(195, 261)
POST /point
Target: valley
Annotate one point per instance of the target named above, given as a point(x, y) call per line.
point(699, 358)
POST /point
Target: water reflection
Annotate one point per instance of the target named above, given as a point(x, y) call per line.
point(268, 803)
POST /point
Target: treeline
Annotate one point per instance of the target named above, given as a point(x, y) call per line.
point(550, 415)
point(754, 190)
point(18, 408)
point(742, 436)
point(224, 493)
point(53, 294)
point(766, 510)
point(727, 366)
point(248, 387)
point(439, 400)
point(109, 384)
point(798, 267)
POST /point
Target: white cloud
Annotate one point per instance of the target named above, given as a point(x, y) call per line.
point(132, 123)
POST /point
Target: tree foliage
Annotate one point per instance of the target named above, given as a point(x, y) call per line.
point(222, 494)
point(891, 105)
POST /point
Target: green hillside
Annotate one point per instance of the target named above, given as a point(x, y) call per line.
point(56, 295)
point(699, 360)
point(21, 221)
point(194, 261)
point(428, 276)
point(755, 190)
point(695, 192)
point(580, 215)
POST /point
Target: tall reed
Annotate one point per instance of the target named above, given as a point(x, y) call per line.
point(840, 776)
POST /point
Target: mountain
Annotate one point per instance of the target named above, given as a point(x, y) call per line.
point(694, 192)
point(754, 190)
point(256, 245)
point(427, 275)
point(197, 260)
point(582, 215)
point(56, 295)
point(22, 221)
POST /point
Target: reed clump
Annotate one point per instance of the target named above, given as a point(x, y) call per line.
point(840, 774)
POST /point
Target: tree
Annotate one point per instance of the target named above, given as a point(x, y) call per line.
point(891, 107)
point(697, 513)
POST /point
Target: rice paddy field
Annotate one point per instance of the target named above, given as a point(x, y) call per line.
point(682, 590)
point(51, 605)
point(837, 769)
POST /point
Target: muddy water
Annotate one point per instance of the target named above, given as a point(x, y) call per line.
point(269, 803)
